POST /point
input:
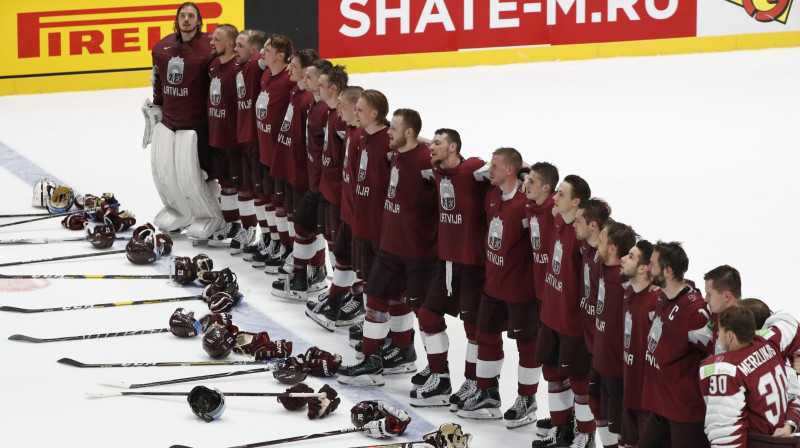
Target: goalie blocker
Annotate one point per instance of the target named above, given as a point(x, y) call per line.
point(189, 199)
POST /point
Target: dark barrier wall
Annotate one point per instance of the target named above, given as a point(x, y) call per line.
point(297, 19)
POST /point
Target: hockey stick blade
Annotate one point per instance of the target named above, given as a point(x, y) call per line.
point(74, 363)
point(103, 395)
point(14, 309)
point(22, 337)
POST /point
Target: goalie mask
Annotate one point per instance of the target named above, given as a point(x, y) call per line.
point(61, 200)
point(207, 403)
point(42, 191)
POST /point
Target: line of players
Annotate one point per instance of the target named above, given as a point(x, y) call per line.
point(605, 317)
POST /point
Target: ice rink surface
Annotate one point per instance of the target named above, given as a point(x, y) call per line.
point(701, 149)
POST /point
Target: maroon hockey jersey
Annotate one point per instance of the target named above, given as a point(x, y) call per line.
point(409, 210)
point(315, 139)
point(462, 211)
point(332, 153)
point(678, 340)
point(350, 158)
point(222, 104)
point(608, 329)
point(638, 309)
point(509, 260)
point(540, 224)
point(270, 108)
point(248, 84)
point(290, 158)
point(561, 300)
point(372, 181)
point(180, 80)
point(744, 391)
point(590, 276)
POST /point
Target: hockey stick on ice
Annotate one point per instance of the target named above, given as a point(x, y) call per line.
point(124, 385)
point(14, 309)
point(289, 439)
point(22, 337)
point(74, 363)
point(227, 394)
point(48, 240)
point(42, 216)
point(67, 257)
point(84, 276)
point(398, 445)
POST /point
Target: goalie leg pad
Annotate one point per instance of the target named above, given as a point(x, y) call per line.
point(176, 213)
point(202, 196)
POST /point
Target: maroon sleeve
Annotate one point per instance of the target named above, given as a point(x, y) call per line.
point(561, 298)
point(332, 154)
point(638, 310)
point(349, 172)
point(317, 119)
point(609, 327)
point(590, 277)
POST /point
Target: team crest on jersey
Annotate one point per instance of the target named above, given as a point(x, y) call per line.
point(601, 295)
point(628, 328)
point(287, 119)
point(447, 194)
point(558, 252)
point(536, 236)
point(175, 70)
point(495, 233)
point(261, 105)
point(393, 179)
point(241, 89)
point(215, 91)
point(655, 334)
point(362, 166)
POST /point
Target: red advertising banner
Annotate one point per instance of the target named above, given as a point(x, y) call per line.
point(349, 28)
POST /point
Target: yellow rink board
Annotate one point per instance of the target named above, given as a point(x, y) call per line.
point(366, 64)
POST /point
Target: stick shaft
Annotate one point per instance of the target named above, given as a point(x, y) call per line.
point(48, 240)
point(97, 305)
point(74, 363)
point(231, 394)
point(198, 378)
point(22, 337)
point(66, 257)
point(85, 276)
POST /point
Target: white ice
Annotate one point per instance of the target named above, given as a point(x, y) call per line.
point(698, 148)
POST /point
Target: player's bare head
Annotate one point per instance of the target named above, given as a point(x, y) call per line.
point(638, 258)
point(547, 173)
point(504, 166)
point(571, 192)
point(297, 65)
point(591, 217)
point(404, 128)
point(371, 108)
point(313, 73)
point(760, 310)
point(669, 260)
point(335, 77)
point(347, 104)
point(223, 39)
point(445, 148)
point(282, 46)
point(188, 19)
point(738, 321)
point(725, 279)
point(248, 44)
point(616, 240)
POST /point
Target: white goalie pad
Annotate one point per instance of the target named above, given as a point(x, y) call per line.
point(201, 195)
point(176, 213)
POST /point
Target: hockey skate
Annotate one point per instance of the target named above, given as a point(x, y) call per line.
point(435, 392)
point(352, 311)
point(420, 378)
point(399, 360)
point(557, 437)
point(368, 372)
point(319, 302)
point(326, 314)
point(522, 413)
point(484, 404)
point(292, 288)
point(224, 236)
point(356, 334)
point(260, 244)
point(242, 239)
point(261, 257)
point(467, 389)
point(272, 264)
point(583, 441)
